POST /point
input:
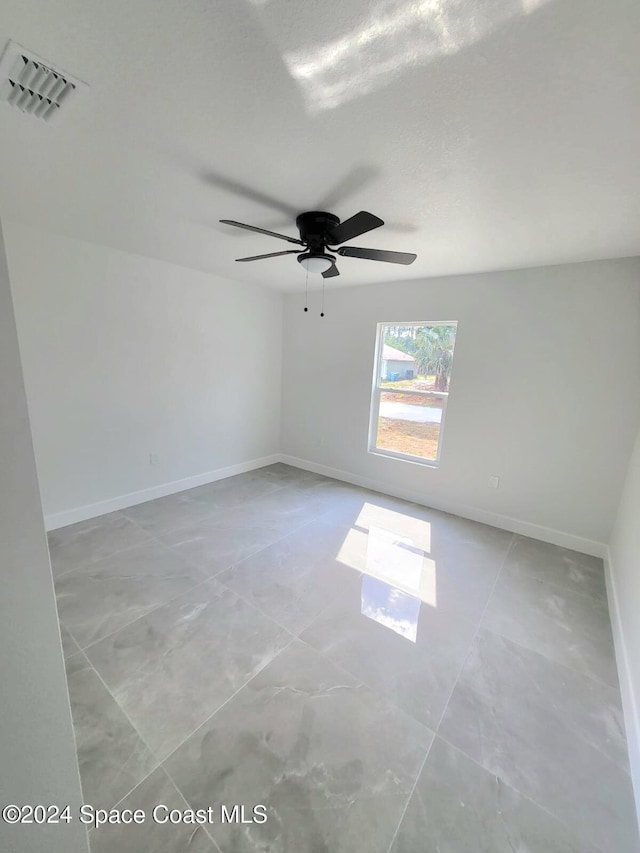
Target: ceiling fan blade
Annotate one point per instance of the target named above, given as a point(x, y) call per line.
point(262, 231)
point(354, 227)
point(377, 255)
point(331, 272)
point(270, 255)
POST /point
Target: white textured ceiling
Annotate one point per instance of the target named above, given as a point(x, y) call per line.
point(488, 134)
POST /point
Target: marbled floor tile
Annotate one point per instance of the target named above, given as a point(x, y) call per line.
point(287, 475)
point(395, 548)
point(283, 511)
point(338, 489)
point(458, 529)
point(302, 735)
point(168, 513)
point(171, 669)
point(400, 518)
point(112, 756)
point(213, 547)
point(458, 806)
point(150, 836)
point(234, 491)
point(319, 541)
point(551, 733)
point(80, 544)
point(69, 645)
point(573, 571)
point(110, 593)
point(455, 573)
point(359, 507)
point(571, 627)
point(463, 571)
point(363, 826)
point(292, 580)
point(372, 636)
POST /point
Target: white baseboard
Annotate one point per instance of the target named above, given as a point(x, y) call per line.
point(629, 705)
point(505, 522)
point(513, 525)
point(81, 513)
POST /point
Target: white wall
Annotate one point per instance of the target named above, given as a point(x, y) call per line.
point(624, 596)
point(37, 747)
point(125, 356)
point(543, 391)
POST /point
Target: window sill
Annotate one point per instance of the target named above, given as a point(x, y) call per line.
point(402, 457)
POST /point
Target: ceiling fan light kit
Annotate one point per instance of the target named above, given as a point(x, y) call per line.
point(316, 263)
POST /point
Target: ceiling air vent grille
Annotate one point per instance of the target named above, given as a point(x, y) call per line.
point(34, 86)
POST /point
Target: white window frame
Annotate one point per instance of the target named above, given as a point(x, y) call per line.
point(376, 391)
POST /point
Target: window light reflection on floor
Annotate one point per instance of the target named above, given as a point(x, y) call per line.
point(390, 549)
point(390, 607)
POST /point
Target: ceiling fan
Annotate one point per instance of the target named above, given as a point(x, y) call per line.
point(320, 233)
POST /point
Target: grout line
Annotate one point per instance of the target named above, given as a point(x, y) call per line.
point(192, 565)
point(204, 827)
point(126, 716)
point(558, 586)
point(322, 515)
point(75, 642)
point(475, 635)
point(252, 604)
point(555, 661)
point(97, 560)
point(171, 601)
point(148, 533)
point(161, 762)
point(411, 793)
point(504, 782)
point(362, 683)
point(248, 600)
point(207, 510)
point(507, 552)
point(70, 707)
point(255, 606)
point(624, 768)
point(141, 616)
point(220, 707)
point(82, 651)
point(188, 804)
point(154, 535)
point(78, 646)
point(359, 684)
point(133, 521)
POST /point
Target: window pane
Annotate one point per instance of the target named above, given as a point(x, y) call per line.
point(418, 357)
point(409, 423)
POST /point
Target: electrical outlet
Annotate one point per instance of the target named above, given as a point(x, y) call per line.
point(154, 459)
point(494, 481)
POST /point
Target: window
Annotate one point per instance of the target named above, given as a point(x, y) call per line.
point(410, 389)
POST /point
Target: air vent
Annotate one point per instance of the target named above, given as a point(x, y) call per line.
point(34, 85)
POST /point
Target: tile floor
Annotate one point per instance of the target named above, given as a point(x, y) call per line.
point(383, 677)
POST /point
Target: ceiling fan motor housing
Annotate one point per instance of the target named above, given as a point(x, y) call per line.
point(315, 229)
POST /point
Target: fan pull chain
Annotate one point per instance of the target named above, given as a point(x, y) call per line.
point(306, 292)
point(322, 312)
